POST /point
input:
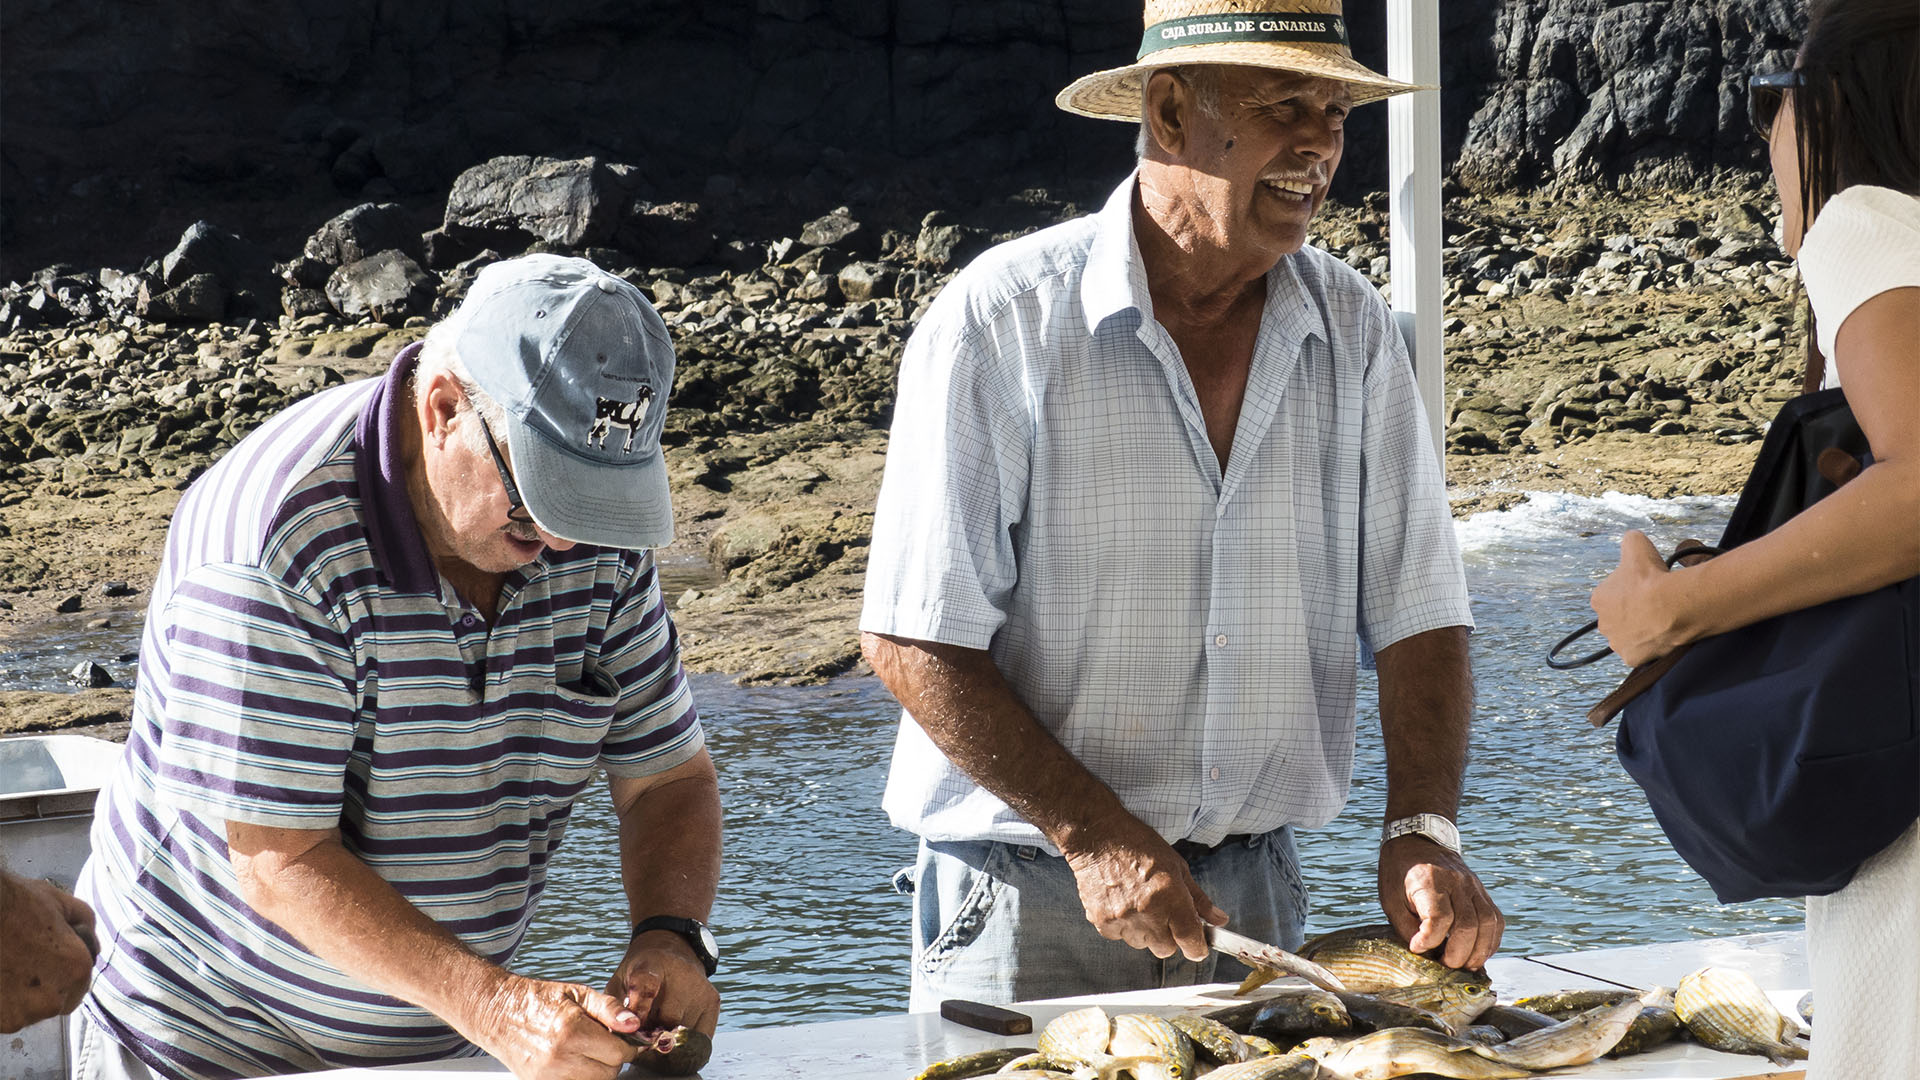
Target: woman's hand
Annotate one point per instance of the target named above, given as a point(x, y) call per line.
point(1637, 604)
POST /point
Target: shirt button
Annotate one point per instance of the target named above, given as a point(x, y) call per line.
point(1220, 640)
point(1214, 773)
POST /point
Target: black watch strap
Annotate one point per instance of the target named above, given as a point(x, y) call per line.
point(693, 930)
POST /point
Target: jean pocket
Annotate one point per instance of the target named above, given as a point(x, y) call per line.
point(978, 889)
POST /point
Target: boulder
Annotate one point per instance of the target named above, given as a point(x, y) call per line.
point(365, 230)
point(244, 272)
point(574, 203)
point(386, 287)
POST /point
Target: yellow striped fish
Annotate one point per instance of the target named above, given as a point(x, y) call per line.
point(1728, 1011)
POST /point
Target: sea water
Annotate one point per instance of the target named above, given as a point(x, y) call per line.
point(811, 929)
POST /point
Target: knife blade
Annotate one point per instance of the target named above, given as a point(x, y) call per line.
point(1258, 954)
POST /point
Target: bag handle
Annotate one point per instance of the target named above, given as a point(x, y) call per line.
point(1686, 553)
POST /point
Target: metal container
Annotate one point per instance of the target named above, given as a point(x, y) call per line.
point(48, 784)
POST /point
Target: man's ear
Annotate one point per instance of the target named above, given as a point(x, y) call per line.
point(1168, 102)
point(438, 402)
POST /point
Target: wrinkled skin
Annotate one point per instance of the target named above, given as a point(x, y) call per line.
point(46, 954)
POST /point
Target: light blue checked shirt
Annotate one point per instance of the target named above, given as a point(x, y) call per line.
point(1051, 497)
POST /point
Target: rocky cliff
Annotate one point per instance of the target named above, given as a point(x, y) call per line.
point(126, 121)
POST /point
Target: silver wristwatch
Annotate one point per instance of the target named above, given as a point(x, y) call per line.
point(1432, 826)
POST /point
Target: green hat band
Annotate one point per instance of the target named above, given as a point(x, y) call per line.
point(1273, 26)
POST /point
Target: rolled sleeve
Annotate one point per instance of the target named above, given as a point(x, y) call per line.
point(259, 715)
point(655, 725)
point(1411, 577)
point(942, 564)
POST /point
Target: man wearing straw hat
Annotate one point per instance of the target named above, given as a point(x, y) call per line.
point(1151, 473)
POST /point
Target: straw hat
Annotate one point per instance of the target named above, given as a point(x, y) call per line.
point(1304, 36)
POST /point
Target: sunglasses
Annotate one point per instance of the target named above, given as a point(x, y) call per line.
point(515, 504)
point(1764, 94)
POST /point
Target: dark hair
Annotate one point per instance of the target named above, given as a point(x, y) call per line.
point(1857, 114)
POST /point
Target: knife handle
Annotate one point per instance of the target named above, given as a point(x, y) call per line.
point(988, 1018)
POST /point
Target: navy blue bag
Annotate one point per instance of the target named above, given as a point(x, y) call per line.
point(1780, 756)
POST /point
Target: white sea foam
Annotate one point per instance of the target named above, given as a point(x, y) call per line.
point(1559, 515)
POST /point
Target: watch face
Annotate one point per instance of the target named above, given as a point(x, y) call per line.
point(706, 940)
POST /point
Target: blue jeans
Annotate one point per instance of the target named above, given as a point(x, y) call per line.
point(1001, 923)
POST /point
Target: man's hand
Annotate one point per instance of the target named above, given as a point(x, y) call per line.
point(1430, 896)
point(554, 1031)
point(664, 983)
point(46, 951)
point(1137, 889)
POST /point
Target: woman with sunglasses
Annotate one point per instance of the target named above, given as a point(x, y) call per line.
point(1843, 132)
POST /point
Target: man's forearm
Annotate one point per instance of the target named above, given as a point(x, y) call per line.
point(344, 913)
point(670, 839)
point(965, 706)
point(1426, 709)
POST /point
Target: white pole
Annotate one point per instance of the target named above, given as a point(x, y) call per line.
point(1413, 176)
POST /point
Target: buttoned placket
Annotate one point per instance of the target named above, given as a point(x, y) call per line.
point(1278, 345)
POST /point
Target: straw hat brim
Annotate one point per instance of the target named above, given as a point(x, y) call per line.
point(1114, 94)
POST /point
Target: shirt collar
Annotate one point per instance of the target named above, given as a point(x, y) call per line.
point(1115, 279)
point(393, 533)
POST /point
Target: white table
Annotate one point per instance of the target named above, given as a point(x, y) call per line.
point(895, 1047)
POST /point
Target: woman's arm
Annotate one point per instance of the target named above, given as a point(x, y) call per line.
point(1858, 539)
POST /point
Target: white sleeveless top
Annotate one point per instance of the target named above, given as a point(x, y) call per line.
point(1865, 241)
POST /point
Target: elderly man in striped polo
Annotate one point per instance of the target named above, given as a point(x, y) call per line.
point(1151, 473)
point(396, 632)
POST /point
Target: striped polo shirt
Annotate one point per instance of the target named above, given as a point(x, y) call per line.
point(305, 666)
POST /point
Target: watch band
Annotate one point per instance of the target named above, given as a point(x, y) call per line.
point(1432, 826)
point(693, 930)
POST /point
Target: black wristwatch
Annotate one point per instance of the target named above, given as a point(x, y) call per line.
point(695, 931)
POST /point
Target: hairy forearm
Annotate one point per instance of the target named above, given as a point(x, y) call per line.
point(670, 839)
point(1426, 708)
point(965, 706)
point(347, 915)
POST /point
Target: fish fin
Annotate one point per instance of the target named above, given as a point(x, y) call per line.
point(1255, 979)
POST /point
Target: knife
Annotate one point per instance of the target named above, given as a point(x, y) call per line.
point(1258, 954)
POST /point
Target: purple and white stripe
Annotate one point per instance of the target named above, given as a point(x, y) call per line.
point(301, 669)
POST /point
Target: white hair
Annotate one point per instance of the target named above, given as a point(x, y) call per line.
point(1202, 79)
point(438, 356)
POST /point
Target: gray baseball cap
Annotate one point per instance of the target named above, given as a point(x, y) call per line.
point(582, 365)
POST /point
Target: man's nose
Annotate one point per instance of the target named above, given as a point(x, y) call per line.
point(553, 542)
point(1315, 138)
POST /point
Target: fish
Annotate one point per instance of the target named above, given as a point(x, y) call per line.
point(1278, 1067)
point(1305, 1009)
point(1514, 1021)
point(1301, 1013)
point(1162, 1052)
point(1805, 1007)
point(1404, 1051)
point(1656, 1024)
point(1034, 1062)
point(1378, 1014)
point(1561, 1004)
point(1220, 1043)
point(1457, 1004)
point(978, 1063)
point(1484, 1034)
point(1077, 1035)
point(1260, 1046)
point(1370, 958)
point(1574, 1041)
point(1727, 1010)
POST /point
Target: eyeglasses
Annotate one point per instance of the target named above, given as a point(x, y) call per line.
point(1764, 94)
point(515, 504)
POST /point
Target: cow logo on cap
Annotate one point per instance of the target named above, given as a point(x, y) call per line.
point(609, 414)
